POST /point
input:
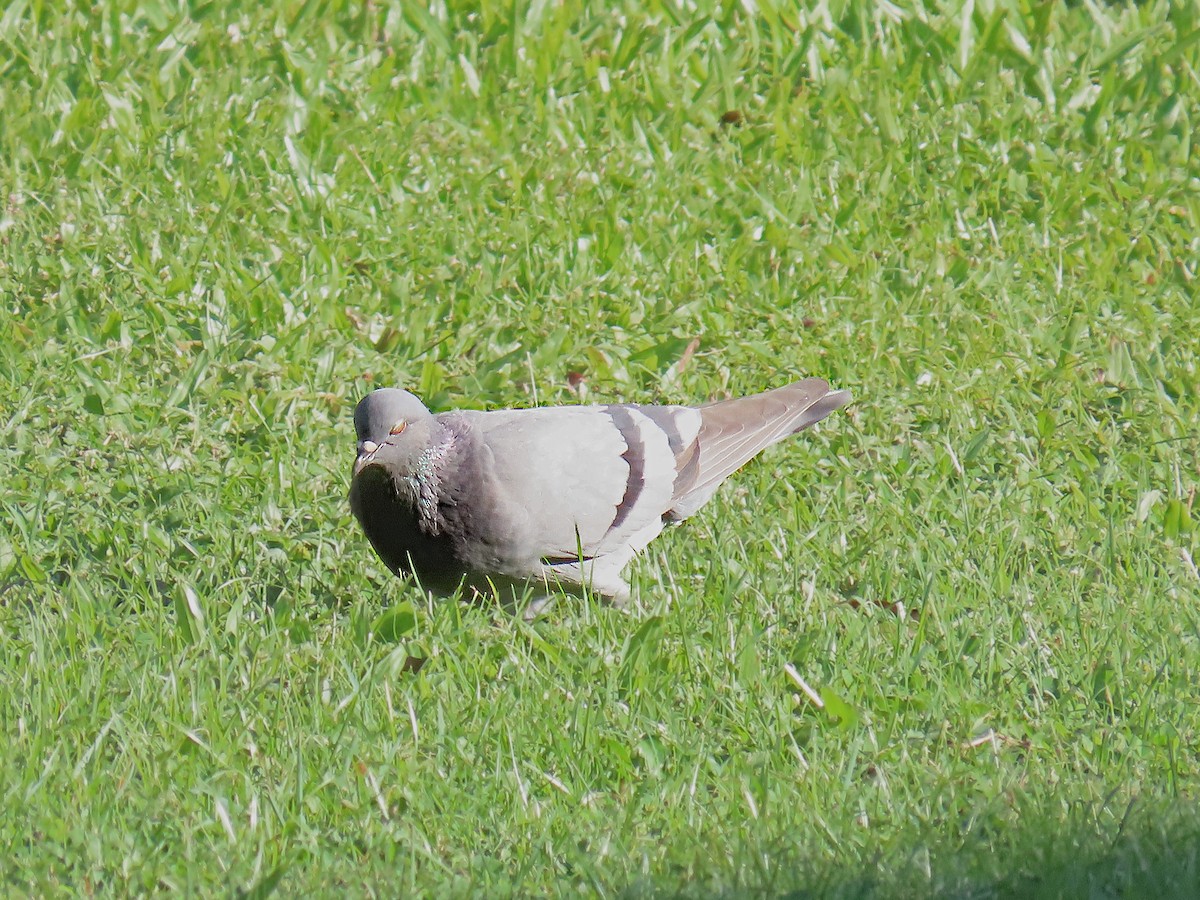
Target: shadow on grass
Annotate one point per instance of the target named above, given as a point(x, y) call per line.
point(1153, 851)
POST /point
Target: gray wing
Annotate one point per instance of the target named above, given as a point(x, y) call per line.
point(590, 479)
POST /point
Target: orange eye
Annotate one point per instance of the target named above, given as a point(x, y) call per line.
point(398, 427)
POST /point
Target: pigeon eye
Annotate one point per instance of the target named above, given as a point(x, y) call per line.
point(398, 427)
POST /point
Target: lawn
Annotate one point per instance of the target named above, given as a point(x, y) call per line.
point(944, 644)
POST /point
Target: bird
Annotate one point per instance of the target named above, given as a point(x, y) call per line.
point(550, 499)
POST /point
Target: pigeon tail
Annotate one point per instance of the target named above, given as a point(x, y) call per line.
point(732, 432)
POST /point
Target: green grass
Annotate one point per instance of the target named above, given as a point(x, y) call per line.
point(223, 223)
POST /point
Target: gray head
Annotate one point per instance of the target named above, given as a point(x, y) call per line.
point(393, 428)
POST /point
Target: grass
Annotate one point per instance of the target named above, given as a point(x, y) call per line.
point(223, 223)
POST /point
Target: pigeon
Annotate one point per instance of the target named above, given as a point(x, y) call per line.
point(550, 498)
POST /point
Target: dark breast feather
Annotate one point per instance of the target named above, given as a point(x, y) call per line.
point(391, 524)
point(471, 506)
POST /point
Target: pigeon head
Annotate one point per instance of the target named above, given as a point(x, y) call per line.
point(393, 427)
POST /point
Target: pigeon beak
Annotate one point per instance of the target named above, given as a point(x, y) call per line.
point(366, 453)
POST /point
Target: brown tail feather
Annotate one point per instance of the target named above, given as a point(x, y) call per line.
point(735, 431)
